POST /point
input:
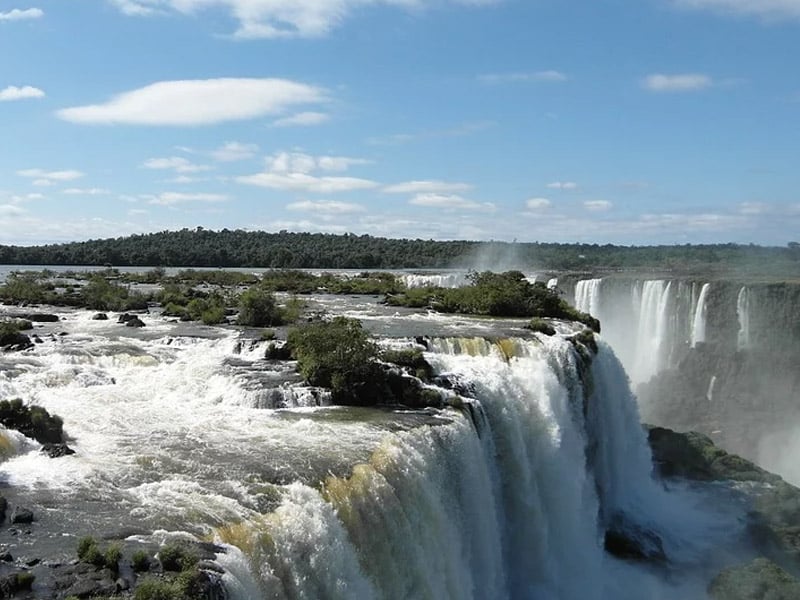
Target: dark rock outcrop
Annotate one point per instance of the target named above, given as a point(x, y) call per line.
point(630, 541)
point(21, 516)
point(758, 580)
point(57, 450)
point(100, 317)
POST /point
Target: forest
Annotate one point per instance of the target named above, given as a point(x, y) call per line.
point(238, 248)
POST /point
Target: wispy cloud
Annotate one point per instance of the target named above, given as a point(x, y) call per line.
point(19, 14)
point(537, 204)
point(295, 171)
point(427, 187)
point(303, 119)
point(174, 163)
point(172, 198)
point(768, 10)
point(450, 202)
point(534, 77)
point(234, 151)
point(260, 19)
point(25, 92)
point(685, 82)
point(456, 131)
point(326, 207)
point(563, 185)
point(85, 192)
point(47, 178)
point(198, 102)
point(597, 205)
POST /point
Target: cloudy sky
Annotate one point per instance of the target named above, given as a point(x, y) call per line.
point(623, 121)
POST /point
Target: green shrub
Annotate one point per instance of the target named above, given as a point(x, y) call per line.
point(257, 308)
point(541, 326)
point(89, 551)
point(25, 580)
point(267, 335)
point(112, 556)
point(213, 315)
point(177, 557)
point(153, 588)
point(140, 561)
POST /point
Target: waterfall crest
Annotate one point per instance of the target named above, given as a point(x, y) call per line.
point(699, 321)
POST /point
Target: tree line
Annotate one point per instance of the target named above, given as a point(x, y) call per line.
point(238, 248)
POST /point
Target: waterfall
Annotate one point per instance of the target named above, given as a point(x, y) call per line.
point(514, 509)
point(743, 313)
point(587, 296)
point(652, 332)
point(552, 283)
point(699, 321)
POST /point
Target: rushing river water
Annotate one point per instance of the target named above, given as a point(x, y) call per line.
point(182, 429)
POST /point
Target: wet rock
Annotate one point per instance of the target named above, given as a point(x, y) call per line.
point(694, 456)
point(630, 541)
point(21, 516)
point(15, 342)
point(57, 450)
point(758, 580)
point(125, 317)
point(134, 322)
point(100, 317)
point(83, 581)
point(37, 340)
point(6, 556)
point(11, 585)
point(3, 508)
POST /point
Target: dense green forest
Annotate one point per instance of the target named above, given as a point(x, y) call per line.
point(236, 248)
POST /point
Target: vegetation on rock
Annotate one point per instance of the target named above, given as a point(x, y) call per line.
point(507, 294)
point(32, 421)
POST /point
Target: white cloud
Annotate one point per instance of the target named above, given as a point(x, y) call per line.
point(234, 151)
point(175, 163)
point(325, 207)
point(278, 18)
point(449, 201)
point(11, 210)
point(563, 185)
point(597, 205)
point(302, 182)
point(43, 178)
point(85, 192)
point(303, 119)
point(753, 208)
point(535, 77)
point(18, 14)
point(538, 203)
point(769, 10)
point(172, 198)
point(685, 82)
point(427, 187)
point(292, 171)
point(25, 92)
point(198, 102)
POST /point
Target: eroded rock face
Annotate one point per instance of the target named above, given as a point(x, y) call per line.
point(758, 580)
point(630, 541)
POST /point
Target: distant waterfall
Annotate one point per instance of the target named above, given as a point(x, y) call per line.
point(743, 313)
point(652, 330)
point(587, 296)
point(699, 321)
point(552, 283)
point(512, 510)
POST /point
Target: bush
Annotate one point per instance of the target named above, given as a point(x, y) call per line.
point(32, 421)
point(541, 326)
point(257, 308)
point(337, 354)
point(177, 557)
point(112, 556)
point(89, 552)
point(152, 588)
point(140, 561)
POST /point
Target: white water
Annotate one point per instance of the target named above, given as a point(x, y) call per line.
point(699, 320)
point(168, 437)
point(587, 296)
point(743, 314)
point(445, 280)
point(515, 512)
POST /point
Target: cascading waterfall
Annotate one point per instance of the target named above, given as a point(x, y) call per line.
point(587, 296)
point(743, 314)
point(699, 321)
point(513, 508)
point(653, 329)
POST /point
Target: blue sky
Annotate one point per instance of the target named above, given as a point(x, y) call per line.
point(623, 121)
